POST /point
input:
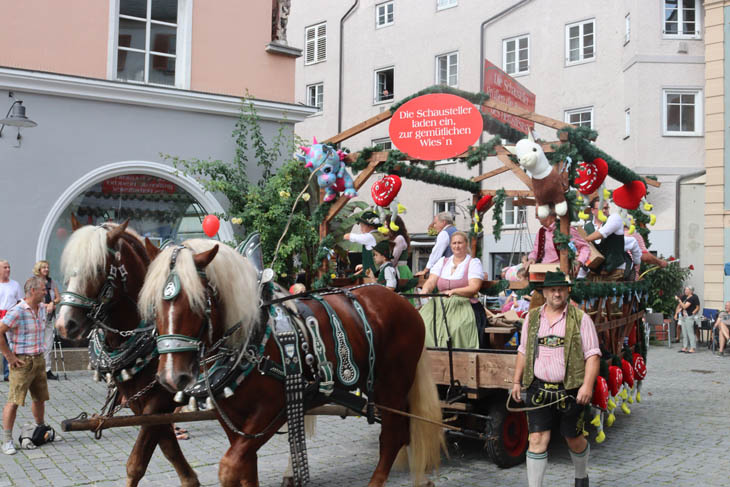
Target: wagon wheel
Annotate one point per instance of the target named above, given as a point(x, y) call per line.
point(509, 446)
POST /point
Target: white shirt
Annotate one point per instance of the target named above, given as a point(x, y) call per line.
point(445, 269)
point(442, 243)
point(614, 224)
point(366, 239)
point(632, 246)
point(10, 293)
point(390, 274)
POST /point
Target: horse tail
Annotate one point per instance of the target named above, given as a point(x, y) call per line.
point(426, 439)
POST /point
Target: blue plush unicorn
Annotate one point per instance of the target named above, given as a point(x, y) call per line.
point(333, 176)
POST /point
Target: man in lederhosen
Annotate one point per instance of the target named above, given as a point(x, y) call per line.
point(557, 361)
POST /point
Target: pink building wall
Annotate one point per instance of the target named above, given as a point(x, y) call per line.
point(68, 37)
point(228, 44)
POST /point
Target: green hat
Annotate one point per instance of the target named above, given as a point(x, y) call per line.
point(369, 217)
point(383, 247)
point(555, 279)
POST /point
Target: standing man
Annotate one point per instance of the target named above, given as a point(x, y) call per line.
point(10, 293)
point(443, 223)
point(688, 305)
point(26, 323)
point(611, 245)
point(557, 361)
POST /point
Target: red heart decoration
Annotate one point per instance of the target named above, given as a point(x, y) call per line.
point(591, 175)
point(484, 203)
point(628, 372)
point(629, 195)
point(600, 393)
point(615, 379)
point(639, 366)
point(385, 190)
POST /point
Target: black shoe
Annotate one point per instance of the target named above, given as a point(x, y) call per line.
point(51, 376)
point(581, 482)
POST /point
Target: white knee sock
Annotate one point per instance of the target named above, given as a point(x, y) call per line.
point(536, 466)
point(580, 461)
point(7, 435)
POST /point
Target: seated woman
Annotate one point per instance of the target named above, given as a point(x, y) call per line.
point(460, 277)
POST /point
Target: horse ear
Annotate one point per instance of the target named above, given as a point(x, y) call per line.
point(75, 224)
point(114, 234)
point(152, 249)
point(204, 258)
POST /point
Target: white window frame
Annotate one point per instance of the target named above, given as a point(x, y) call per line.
point(437, 210)
point(183, 43)
point(318, 94)
point(318, 43)
point(581, 36)
point(627, 123)
point(449, 65)
point(699, 112)
point(383, 141)
point(376, 99)
point(384, 6)
point(627, 28)
point(518, 52)
point(444, 4)
point(680, 21)
point(576, 111)
point(515, 210)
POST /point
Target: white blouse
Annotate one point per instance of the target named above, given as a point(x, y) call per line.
point(445, 269)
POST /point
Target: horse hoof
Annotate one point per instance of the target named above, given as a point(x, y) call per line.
point(287, 482)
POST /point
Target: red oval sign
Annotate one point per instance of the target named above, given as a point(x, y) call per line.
point(435, 127)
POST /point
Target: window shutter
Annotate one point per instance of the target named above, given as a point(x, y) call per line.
point(322, 42)
point(310, 45)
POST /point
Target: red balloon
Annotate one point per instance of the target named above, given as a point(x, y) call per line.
point(211, 224)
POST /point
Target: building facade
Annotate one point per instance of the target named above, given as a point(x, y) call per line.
point(632, 70)
point(116, 87)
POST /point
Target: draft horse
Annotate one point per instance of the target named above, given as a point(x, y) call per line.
point(211, 293)
point(104, 268)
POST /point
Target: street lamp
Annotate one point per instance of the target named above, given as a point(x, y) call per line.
point(16, 117)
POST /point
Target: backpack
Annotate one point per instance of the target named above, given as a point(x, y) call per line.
point(36, 435)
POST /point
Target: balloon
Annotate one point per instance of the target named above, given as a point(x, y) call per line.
point(211, 224)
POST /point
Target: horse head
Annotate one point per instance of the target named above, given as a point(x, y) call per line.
point(103, 268)
point(193, 293)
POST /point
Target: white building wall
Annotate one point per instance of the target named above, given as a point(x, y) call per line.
point(622, 75)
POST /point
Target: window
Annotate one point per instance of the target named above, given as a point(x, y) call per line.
point(149, 45)
point(384, 143)
point(383, 14)
point(580, 117)
point(513, 216)
point(580, 42)
point(442, 4)
point(315, 95)
point(384, 85)
point(444, 205)
point(315, 40)
point(682, 112)
point(447, 69)
point(627, 31)
point(681, 18)
point(516, 55)
point(627, 119)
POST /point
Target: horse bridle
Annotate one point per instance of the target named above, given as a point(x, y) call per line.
point(176, 342)
point(97, 309)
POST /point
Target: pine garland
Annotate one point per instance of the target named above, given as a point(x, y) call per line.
point(476, 98)
point(497, 127)
point(497, 213)
point(562, 242)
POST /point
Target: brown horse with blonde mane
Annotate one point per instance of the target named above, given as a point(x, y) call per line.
point(104, 267)
point(217, 291)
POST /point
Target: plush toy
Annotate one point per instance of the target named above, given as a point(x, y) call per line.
point(333, 176)
point(615, 385)
point(628, 372)
point(546, 182)
point(591, 176)
point(600, 406)
point(639, 374)
point(385, 195)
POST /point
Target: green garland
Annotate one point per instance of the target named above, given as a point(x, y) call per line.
point(494, 126)
point(498, 204)
point(562, 242)
point(476, 98)
point(475, 155)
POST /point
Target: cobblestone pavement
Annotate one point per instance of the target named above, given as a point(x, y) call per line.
point(678, 436)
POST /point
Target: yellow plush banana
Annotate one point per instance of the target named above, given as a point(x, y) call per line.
point(623, 394)
point(630, 400)
point(601, 437)
point(606, 194)
point(611, 405)
point(638, 396)
point(602, 217)
point(648, 206)
point(596, 421)
point(401, 209)
point(625, 409)
point(384, 230)
point(579, 199)
point(652, 219)
point(610, 419)
point(632, 229)
point(393, 226)
point(582, 215)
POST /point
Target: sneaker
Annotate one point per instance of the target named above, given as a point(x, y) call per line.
point(51, 376)
point(9, 448)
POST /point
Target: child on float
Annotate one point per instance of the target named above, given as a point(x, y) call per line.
point(387, 274)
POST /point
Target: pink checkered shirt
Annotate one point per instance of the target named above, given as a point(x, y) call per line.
point(26, 329)
point(550, 361)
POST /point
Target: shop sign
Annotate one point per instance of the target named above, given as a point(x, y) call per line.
point(435, 127)
point(138, 184)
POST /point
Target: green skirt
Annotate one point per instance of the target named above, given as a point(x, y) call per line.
point(460, 318)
